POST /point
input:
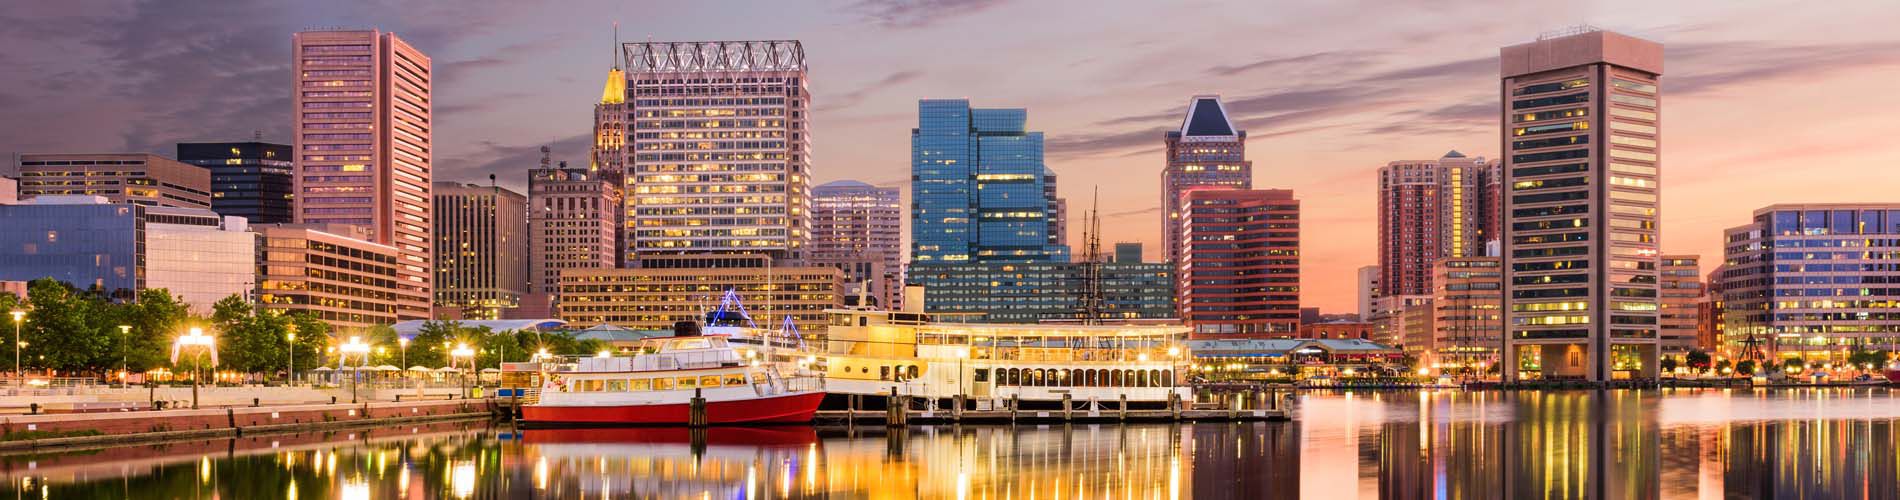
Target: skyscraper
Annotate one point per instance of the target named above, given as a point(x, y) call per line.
point(980, 189)
point(1207, 150)
point(1679, 312)
point(1430, 209)
point(720, 145)
point(363, 150)
point(571, 225)
point(1581, 151)
point(1812, 280)
point(248, 179)
point(858, 228)
point(1239, 267)
point(481, 249)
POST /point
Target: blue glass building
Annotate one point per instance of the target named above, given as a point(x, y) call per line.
point(95, 245)
point(1812, 280)
point(979, 187)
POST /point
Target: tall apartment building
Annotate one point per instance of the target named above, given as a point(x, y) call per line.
point(248, 179)
point(1581, 153)
point(1239, 268)
point(481, 249)
point(1428, 210)
point(858, 228)
point(1467, 314)
point(1814, 280)
point(685, 287)
point(720, 147)
point(1368, 291)
point(333, 272)
point(1207, 150)
point(122, 248)
point(571, 225)
point(137, 178)
point(363, 151)
point(1680, 297)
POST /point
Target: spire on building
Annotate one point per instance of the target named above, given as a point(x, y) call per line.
point(615, 91)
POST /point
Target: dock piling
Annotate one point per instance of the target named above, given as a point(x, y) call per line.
point(1066, 407)
point(697, 410)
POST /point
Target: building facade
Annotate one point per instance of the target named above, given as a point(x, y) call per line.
point(1337, 330)
point(1680, 296)
point(481, 249)
point(137, 178)
point(719, 141)
point(859, 228)
point(334, 273)
point(363, 150)
point(571, 225)
point(1046, 291)
point(122, 248)
point(1711, 331)
point(1428, 210)
point(1207, 150)
point(1368, 291)
point(980, 191)
point(1128, 252)
point(1812, 280)
point(248, 179)
point(1239, 267)
point(685, 288)
point(1467, 314)
point(1580, 230)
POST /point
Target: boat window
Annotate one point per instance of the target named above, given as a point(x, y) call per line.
point(864, 320)
point(641, 384)
point(884, 373)
point(591, 385)
point(617, 385)
point(687, 383)
point(980, 375)
point(910, 372)
point(709, 381)
point(734, 379)
point(1168, 377)
point(1062, 378)
point(662, 384)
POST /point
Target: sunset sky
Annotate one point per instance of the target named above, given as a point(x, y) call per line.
point(1764, 102)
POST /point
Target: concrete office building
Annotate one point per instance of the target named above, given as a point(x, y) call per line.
point(571, 225)
point(248, 179)
point(122, 248)
point(1207, 150)
point(1580, 232)
point(1047, 291)
point(858, 228)
point(137, 178)
point(720, 147)
point(1128, 252)
point(685, 287)
point(362, 115)
point(1812, 280)
point(481, 250)
point(9, 191)
point(1467, 315)
point(1239, 269)
point(1368, 290)
point(333, 272)
point(1678, 313)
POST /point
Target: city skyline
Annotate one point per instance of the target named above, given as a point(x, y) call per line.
point(1323, 111)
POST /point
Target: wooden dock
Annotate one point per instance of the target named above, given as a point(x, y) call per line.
point(1006, 417)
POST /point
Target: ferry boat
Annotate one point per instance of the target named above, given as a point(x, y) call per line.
point(656, 385)
point(1893, 373)
point(871, 352)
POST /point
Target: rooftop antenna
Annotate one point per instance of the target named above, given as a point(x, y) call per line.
point(546, 152)
point(616, 57)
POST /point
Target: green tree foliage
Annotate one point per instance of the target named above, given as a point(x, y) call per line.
point(156, 319)
point(1862, 358)
point(1746, 367)
point(67, 330)
point(1793, 364)
point(1697, 360)
point(1668, 365)
point(313, 338)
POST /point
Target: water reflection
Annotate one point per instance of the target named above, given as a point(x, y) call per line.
point(1715, 444)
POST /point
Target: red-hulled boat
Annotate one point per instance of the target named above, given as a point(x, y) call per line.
point(656, 387)
point(1893, 372)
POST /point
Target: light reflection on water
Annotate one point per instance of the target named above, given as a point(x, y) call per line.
point(1682, 444)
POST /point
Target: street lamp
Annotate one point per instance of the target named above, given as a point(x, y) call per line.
point(357, 347)
point(19, 317)
point(195, 338)
point(125, 335)
point(462, 351)
point(402, 344)
point(290, 363)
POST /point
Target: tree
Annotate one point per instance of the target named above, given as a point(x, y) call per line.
point(1697, 360)
point(66, 329)
point(1668, 365)
point(1722, 365)
point(313, 335)
point(1746, 367)
point(1793, 364)
point(432, 342)
point(1862, 359)
point(247, 341)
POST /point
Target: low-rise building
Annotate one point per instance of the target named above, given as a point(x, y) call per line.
point(136, 178)
point(674, 288)
point(122, 248)
point(1813, 280)
point(1681, 291)
point(1257, 359)
point(1338, 330)
point(1044, 291)
point(1467, 314)
point(333, 272)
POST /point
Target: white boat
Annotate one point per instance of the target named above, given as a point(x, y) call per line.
point(656, 386)
point(872, 352)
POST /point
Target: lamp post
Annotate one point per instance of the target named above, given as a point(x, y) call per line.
point(462, 351)
point(402, 344)
point(290, 361)
point(19, 317)
point(195, 338)
point(125, 335)
point(361, 350)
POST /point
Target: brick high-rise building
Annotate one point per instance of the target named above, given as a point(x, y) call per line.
point(1428, 210)
point(1207, 150)
point(1239, 270)
point(363, 115)
point(719, 149)
point(481, 249)
point(571, 225)
point(1580, 232)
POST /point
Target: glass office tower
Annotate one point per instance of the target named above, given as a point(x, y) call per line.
point(978, 192)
